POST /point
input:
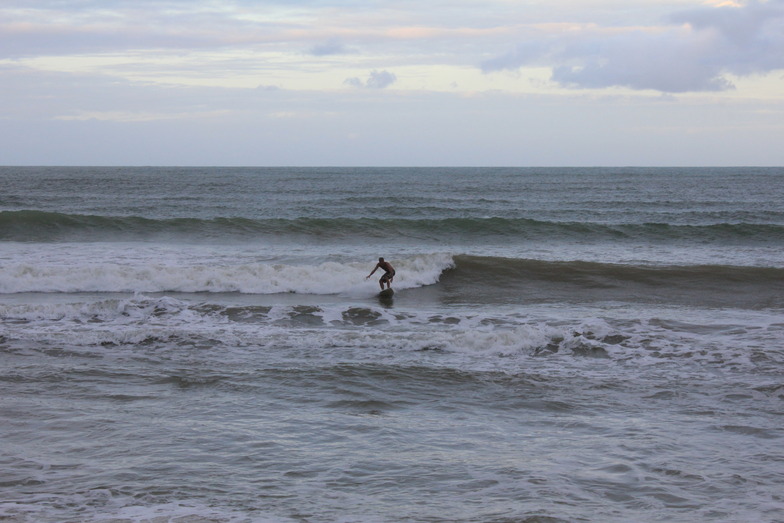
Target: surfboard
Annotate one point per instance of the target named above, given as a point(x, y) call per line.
point(386, 293)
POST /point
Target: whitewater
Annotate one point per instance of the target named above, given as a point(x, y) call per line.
point(202, 344)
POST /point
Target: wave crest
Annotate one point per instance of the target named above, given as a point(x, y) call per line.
point(257, 278)
point(27, 225)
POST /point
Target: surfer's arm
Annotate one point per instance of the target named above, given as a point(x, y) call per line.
point(371, 272)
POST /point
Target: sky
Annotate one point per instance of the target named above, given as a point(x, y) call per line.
point(392, 83)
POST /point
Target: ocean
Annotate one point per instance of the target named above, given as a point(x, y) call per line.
point(563, 345)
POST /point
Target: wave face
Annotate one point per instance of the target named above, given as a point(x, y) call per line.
point(51, 226)
point(515, 280)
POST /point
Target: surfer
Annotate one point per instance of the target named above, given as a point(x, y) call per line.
point(389, 273)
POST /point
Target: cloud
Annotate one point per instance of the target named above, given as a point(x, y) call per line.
point(376, 80)
point(53, 28)
point(331, 47)
point(381, 79)
point(746, 40)
point(693, 52)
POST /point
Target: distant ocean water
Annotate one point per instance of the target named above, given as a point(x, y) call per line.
point(576, 344)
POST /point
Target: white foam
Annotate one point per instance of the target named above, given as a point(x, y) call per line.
point(252, 278)
point(506, 340)
point(129, 310)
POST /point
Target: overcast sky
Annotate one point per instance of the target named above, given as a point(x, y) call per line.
point(379, 82)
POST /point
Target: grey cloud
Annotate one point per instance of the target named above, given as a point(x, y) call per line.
point(381, 79)
point(61, 28)
point(353, 82)
point(694, 54)
point(663, 62)
point(376, 80)
point(747, 40)
point(331, 47)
